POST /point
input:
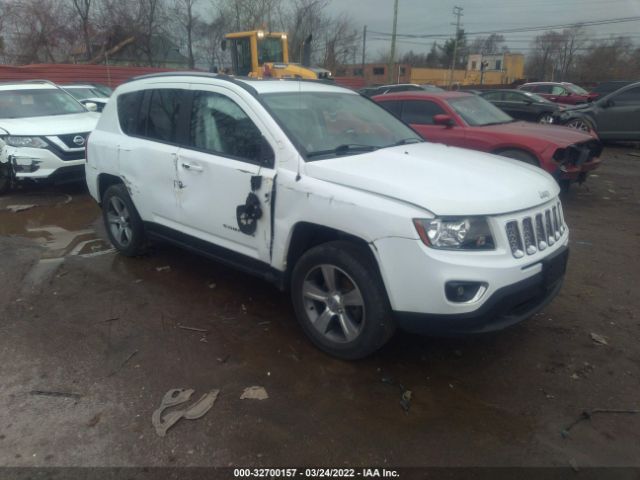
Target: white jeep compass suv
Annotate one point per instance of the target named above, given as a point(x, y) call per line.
point(325, 193)
point(45, 130)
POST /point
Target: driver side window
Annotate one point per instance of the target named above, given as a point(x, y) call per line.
point(420, 112)
point(219, 125)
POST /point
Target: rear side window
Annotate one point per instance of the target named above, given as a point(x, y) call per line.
point(165, 107)
point(129, 112)
point(492, 96)
point(631, 96)
point(219, 125)
point(420, 112)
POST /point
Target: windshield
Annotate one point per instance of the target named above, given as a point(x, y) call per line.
point(476, 111)
point(82, 93)
point(536, 98)
point(576, 89)
point(270, 50)
point(322, 124)
point(37, 103)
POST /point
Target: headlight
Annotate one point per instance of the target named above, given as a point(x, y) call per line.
point(31, 142)
point(471, 233)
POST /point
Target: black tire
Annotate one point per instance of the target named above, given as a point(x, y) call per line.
point(520, 155)
point(355, 269)
point(125, 231)
point(565, 186)
point(5, 178)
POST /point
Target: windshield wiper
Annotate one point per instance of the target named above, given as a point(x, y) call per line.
point(404, 141)
point(344, 149)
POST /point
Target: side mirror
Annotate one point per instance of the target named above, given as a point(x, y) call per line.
point(266, 155)
point(223, 45)
point(91, 106)
point(444, 120)
point(609, 103)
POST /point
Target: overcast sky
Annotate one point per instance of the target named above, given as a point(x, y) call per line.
point(435, 17)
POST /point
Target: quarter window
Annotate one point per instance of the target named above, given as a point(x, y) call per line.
point(420, 112)
point(219, 125)
point(129, 113)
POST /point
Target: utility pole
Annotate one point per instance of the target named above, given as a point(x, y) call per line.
point(392, 57)
point(364, 48)
point(457, 11)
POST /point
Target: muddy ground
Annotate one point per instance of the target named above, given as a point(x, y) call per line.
point(77, 318)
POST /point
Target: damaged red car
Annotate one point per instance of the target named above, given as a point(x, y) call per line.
point(469, 121)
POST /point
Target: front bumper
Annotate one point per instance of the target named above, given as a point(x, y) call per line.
point(506, 307)
point(42, 163)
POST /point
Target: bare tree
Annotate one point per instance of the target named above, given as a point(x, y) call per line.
point(83, 9)
point(183, 12)
point(38, 31)
point(573, 39)
point(614, 59)
point(491, 44)
point(543, 61)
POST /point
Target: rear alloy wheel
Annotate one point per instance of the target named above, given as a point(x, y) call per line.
point(579, 124)
point(121, 219)
point(545, 118)
point(340, 300)
point(521, 156)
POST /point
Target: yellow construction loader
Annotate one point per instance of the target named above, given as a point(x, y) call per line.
point(262, 54)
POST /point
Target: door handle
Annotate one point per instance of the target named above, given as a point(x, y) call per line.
point(192, 167)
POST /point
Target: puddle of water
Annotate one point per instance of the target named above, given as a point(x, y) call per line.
point(58, 218)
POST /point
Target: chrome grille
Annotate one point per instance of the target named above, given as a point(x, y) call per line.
point(535, 232)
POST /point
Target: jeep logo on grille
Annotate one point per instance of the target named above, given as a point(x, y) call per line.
point(78, 140)
point(544, 194)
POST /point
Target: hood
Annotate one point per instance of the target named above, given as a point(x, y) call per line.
point(52, 125)
point(446, 181)
point(561, 137)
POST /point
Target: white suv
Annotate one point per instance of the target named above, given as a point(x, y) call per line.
point(45, 130)
point(321, 191)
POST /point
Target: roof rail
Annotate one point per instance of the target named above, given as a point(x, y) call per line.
point(216, 76)
point(19, 81)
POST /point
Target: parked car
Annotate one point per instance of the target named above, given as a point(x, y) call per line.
point(469, 121)
point(605, 88)
point(88, 94)
point(523, 105)
point(561, 92)
point(44, 129)
point(613, 117)
point(401, 87)
point(327, 195)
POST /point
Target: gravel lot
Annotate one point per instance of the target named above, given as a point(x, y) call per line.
point(76, 318)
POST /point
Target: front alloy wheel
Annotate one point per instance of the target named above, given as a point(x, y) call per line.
point(340, 300)
point(579, 124)
point(333, 303)
point(545, 118)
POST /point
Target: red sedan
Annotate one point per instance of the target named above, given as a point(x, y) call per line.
point(469, 121)
point(560, 92)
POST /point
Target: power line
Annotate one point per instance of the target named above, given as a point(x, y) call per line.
point(590, 23)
